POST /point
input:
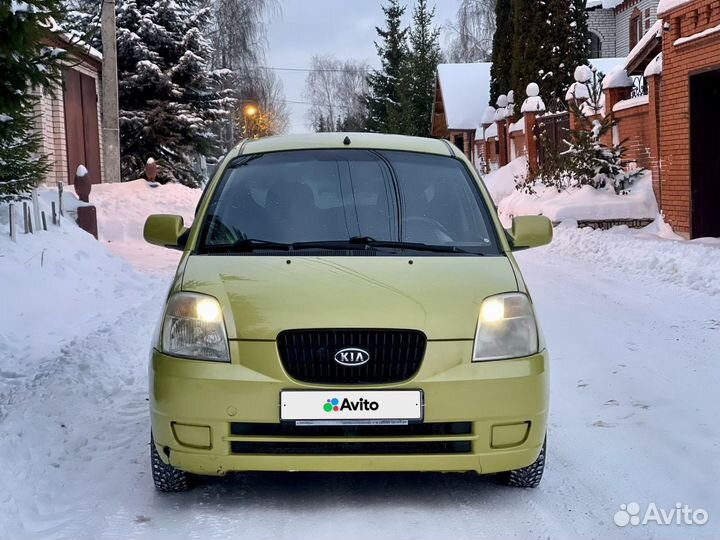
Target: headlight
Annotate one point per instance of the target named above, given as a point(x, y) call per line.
point(193, 327)
point(506, 328)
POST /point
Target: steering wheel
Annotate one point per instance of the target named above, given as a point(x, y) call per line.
point(426, 230)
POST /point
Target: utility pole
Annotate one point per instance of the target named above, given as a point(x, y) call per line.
point(110, 113)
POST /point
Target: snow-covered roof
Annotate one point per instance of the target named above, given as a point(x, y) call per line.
point(465, 92)
point(639, 51)
point(655, 66)
point(604, 4)
point(666, 6)
point(606, 65)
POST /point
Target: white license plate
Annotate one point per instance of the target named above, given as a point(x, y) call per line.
point(342, 406)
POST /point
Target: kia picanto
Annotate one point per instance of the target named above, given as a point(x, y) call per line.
point(347, 302)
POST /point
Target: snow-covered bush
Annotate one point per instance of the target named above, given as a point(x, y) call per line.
point(588, 159)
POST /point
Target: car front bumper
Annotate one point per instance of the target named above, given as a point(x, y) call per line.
point(196, 406)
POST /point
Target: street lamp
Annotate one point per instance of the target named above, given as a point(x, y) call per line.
point(250, 110)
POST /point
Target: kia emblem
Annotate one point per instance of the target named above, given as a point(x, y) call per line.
point(352, 357)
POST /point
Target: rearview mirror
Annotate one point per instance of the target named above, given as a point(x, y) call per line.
point(530, 231)
point(165, 231)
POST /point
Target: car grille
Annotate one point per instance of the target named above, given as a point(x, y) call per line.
point(309, 355)
point(437, 438)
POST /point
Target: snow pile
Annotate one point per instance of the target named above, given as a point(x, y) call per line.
point(583, 203)
point(501, 182)
point(652, 251)
point(617, 78)
point(122, 210)
point(55, 283)
point(655, 66)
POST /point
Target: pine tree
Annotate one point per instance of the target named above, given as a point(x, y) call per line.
point(502, 52)
point(82, 21)
point(418, 74)
point(549, 41)
point(27, 65)
point(169, 99)
point(383, 101)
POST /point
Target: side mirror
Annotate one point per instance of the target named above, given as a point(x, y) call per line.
point(165, 231)
point(530, 232)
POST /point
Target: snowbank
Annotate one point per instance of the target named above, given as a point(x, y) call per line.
point(584, 203)
point(54, 284)
point(653, 251)
point(122, 210)
point(501, 182)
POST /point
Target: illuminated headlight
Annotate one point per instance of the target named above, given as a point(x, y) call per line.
point(506, 328)
point(193, 327)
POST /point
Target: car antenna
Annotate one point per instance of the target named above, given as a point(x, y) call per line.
point(346, 142)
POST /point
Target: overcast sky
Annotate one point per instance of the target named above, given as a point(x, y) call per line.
point(343, 28)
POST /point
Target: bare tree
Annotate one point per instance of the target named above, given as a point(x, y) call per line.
point(335, 89)
point(471, 34)
point(264, 111)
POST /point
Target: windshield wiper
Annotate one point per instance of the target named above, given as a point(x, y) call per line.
point(371, 242)
point(245, 245)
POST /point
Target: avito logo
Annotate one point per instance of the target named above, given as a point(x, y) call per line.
point(335, 405)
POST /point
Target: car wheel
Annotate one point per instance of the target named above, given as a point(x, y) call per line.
point(167, 478)
point(530, 476)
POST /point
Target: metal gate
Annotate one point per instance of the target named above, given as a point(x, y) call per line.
point(551, 133)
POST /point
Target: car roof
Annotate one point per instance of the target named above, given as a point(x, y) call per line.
point(374, 141)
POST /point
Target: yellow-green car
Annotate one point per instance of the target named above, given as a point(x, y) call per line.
point(347, 302)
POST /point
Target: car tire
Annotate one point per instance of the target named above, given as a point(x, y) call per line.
point(167, 478)
point(530, 476)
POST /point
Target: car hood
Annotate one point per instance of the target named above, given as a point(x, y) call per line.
point(264, 295)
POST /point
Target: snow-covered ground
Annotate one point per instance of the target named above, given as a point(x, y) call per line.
point(633, 326)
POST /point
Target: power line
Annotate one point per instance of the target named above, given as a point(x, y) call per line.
point(314, 70)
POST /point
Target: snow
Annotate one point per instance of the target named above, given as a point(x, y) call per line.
point(465, 92)
point(654, 33)
point(533, 104)
point(501, 182)
point(605, 4)
point(583, 74)
point(655, 66)
point(577, 91)
point(577, 203)
point(699, 35)
point(5, 117)
point(488, 116)
point(630, 103)
point(122, 210)
point(617, 78)
point(606, 65)
point(81, 171)
point(666, 6)
point(491, 131)
point(518, 126)
point(631, 321)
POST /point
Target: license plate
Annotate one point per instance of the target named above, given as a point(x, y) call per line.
point(339, 406)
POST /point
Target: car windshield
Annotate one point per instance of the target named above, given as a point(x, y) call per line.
point(332, 196)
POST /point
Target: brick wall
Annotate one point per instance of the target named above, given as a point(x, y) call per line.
point(601, 22)
point(517, 144)
point(680, 62)
point(634, 126)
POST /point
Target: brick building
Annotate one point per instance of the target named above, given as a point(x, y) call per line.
point(690, 116)
point(68, 115)
point(617, 25)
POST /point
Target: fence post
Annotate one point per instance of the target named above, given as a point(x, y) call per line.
point(12, 222)
point(530, 109)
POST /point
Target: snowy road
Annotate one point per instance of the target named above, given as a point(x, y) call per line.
point(634, 419)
